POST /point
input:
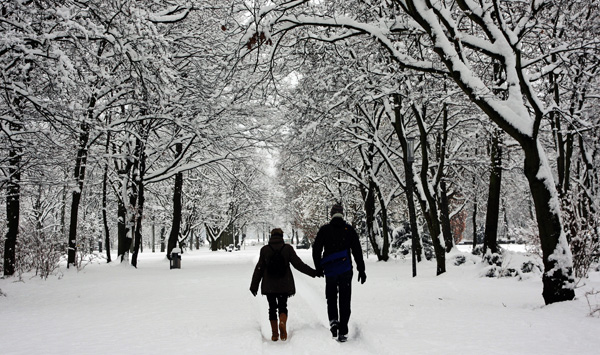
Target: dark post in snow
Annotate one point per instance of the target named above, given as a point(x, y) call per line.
point(410, 158)
point(153, 235)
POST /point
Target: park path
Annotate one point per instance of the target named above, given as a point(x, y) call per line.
point(308, 329)
point(203, 308)
point(206, 308)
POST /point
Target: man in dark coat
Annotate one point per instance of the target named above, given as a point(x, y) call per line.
point(278, 287)
point(333, 245)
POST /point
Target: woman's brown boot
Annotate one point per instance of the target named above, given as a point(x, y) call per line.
point(282, 324)
point(275, 334)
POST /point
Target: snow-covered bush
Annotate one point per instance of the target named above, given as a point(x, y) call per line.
point(585, 246)
point(40, 243)
point(511, 264)
point(88, 235)
point(38, 251)
point(493, 258)
point(458, 258)
point(402, 242)
point(530, 266)
point(582, 226)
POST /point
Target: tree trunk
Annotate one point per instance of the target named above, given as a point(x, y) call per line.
point(162, 239)
point(445, 217)
point(414, 232)
point(13, 208)
point(429, 203)
point(490, 241)
point(590, 176)
point(140, 201)
point(558, 270)
point(79, 175)
point(385, 248)
point(153, 236)
point(132, 213)
point(475, 206)
point(174, 235)
point(122, 230)
point(408, 172)
point(431, 216)
point(214, 244)
point(368, 196)
point(369, 203)
point(104, 202)
point(474, 225)
point(125, 222)
point(441, 144)
point(563, 141)
point(63, 210)
point(236, 236)
point(138, 228)
point(211, 236)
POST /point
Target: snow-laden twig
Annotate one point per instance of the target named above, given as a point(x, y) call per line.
point(593, 302)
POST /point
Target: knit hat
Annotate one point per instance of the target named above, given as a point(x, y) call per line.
point(277, 231)
point(336, 208)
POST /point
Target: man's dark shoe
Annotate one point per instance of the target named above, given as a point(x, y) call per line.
point(333, 327)
point(342, 338)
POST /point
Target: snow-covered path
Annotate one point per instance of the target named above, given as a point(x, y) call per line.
point(206, 308)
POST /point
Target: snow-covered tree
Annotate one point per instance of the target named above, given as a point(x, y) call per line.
point(457, 39)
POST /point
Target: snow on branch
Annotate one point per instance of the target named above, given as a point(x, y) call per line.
point(287, 5)
point(511, 114)
point(166, 173)
point(378, 33)
point(171, 15)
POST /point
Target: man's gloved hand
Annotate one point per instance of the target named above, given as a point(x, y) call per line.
point(254, 292)
point(362, 277)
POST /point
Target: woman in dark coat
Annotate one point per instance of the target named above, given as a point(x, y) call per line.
point(278, 285)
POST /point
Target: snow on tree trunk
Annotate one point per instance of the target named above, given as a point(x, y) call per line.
point(558, 262)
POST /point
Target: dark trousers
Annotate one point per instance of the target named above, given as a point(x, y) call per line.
point(342, 285)
point(277, 304)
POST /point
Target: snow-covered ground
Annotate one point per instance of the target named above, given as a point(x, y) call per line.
point(205, 308)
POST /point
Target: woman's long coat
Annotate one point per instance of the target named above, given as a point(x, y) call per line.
point(283, 285)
